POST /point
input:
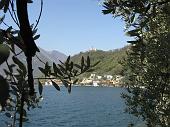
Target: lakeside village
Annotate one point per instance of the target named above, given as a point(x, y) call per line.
point(95, 80)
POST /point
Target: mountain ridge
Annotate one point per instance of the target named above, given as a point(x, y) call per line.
point(109, 60)
point(38, 61)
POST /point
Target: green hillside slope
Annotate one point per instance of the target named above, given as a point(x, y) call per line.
point(109, 61)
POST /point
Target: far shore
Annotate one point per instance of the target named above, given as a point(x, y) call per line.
point(76, 85)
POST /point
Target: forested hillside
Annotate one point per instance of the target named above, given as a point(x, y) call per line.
point(110, 61)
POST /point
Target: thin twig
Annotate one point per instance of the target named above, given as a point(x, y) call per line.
point(39, 15)
point(45, 78)
point(16, 19)
point(5, 24)
point(40, 59)
point(19, 53)
point(13, 17)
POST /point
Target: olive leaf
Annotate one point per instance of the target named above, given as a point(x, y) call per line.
point(4, 91)
point(4, 53)
point(55, 85)
point(40, 87)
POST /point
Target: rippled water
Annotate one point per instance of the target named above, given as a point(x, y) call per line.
point(84, 107)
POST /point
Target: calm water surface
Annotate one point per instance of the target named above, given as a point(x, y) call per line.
point(84, 107)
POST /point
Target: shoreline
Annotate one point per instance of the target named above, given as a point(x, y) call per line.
point(89, 86)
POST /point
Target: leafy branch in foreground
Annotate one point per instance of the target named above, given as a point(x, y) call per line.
point(17, 93)
point(66, 71)
point(22, 38)
point(15, 84)
point(148, 63)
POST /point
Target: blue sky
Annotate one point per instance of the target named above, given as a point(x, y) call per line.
point(72, 26)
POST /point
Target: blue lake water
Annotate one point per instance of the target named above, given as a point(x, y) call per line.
point(84, 107)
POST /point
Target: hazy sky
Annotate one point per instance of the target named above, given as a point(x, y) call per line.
point(71, 26)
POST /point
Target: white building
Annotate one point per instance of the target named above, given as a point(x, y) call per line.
point(99, 77)
point(109, 77)
point(92, 76)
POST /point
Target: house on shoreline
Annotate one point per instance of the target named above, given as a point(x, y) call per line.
point(105, 80)
point(93, 80)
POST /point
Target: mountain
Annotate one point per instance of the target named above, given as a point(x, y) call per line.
point(43, 55)
point(109, 61)
point(46, 56)
point(50, 56)
point(57, 55)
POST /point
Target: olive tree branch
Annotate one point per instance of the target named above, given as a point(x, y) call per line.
point(38, 20)
point(39, 59)
point(10, 12)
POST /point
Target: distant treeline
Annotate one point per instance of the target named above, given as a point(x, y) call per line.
point(110, 61)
